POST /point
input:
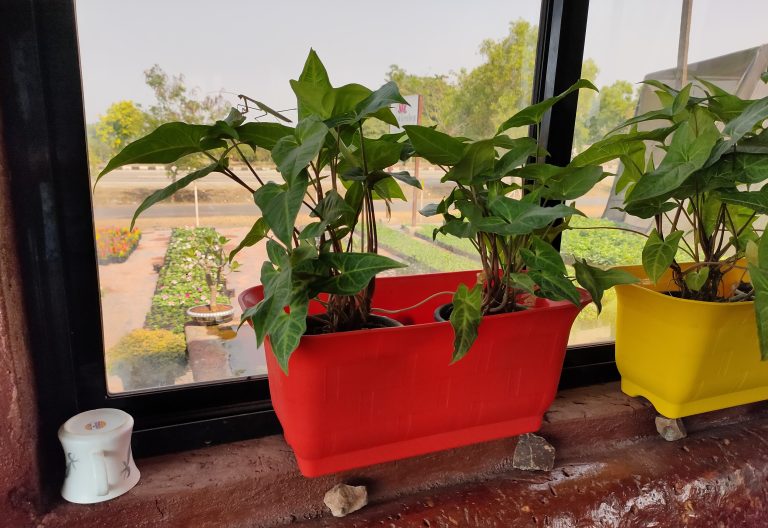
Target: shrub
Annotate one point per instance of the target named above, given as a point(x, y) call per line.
point(602, 247)
point(115, 244)
point(181, 282)
point(148, 358)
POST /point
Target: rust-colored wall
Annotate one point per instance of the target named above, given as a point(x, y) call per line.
point(18, 427)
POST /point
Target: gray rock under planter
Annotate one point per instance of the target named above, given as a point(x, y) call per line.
point(343, 499)
point(533, 453)
point(670, 429)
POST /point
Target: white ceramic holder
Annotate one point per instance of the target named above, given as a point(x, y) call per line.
point(98, 457)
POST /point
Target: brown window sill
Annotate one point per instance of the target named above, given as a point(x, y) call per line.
point(611, 464)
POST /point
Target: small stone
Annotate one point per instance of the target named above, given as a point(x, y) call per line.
point(670, 429)
point(533, 453)
point(343, 499)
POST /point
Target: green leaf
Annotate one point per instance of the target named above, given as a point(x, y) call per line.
point(658, 254)
point(234, 118)
point(256, 234)
point(555, 287)
point(754, 200)
point(333, 208)
point(533, 114)
point(696, 278)
point(759, 278)
point(572, 183)
point(313, 230)
point(597, 280)
point(287, 328)
point(292, 154)
point(522, 281)
point(465, 319)
point(430, 210)
point(762, 248)
point(166, 144)
point(405, 177)
point(523, 218)
point(435, 147)
point(520, 150)
point(387, 189)
point(543, 257)
point(381, 154)
point(384, 97)
point(618, 145)
point(478, 158)
point(313, 89)
point(170, 190)
point(263, 135)
point(689, 151)
point(753, 115)
point(261, 317)
point(355, 271)
point(280, 207)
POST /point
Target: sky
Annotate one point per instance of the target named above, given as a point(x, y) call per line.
point(254, 47)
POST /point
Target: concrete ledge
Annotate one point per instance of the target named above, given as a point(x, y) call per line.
point(606, 442)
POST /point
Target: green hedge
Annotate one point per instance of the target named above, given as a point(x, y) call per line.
point(603, 247)
point(148, 358)
point(180, 283)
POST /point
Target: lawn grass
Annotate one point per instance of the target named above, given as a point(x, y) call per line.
point(424, 256)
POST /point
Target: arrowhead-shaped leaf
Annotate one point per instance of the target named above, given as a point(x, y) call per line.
point(256, 234)
point(688, 152)
point(292, 154)
point(533, 114)
point(435, 147)
point(759, 278)
point(596, 280)
point(755, 200)
point(696, 278)
point(263, 135)
point(166, 144)
point(658, 254)
point(287, 328)
point(355, 271)
point(280, 207)
point(465, 319)
point(168, 191)
point(523, 218)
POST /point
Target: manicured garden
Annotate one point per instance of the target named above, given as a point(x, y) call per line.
point(115, 244)
point(181, 282)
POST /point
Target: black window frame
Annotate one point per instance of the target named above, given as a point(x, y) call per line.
point(41, 103)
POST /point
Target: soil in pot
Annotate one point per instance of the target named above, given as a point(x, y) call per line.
point(210, 309)
point(318, 324)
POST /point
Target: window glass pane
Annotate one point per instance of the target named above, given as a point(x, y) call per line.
point(628, 42)
point(144, 63)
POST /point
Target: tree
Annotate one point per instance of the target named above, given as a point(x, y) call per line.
point(589, 71)
point(616, 104)
point(436, 89)
point(497, 88)
point(123, 122)
point(176, 102)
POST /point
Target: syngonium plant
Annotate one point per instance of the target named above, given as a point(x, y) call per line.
point(705, 197)
point(330, 167)
point(511, 210)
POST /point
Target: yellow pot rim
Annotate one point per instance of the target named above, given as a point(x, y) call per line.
point(715, 305)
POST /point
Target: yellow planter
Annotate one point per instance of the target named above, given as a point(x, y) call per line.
point(687, 357)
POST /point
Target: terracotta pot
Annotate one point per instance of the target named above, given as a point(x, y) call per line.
point(358, 398)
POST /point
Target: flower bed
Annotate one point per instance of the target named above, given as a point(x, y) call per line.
point(115, 244)
point(181, 283)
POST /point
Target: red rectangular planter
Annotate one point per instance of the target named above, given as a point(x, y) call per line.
point(358, 398)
